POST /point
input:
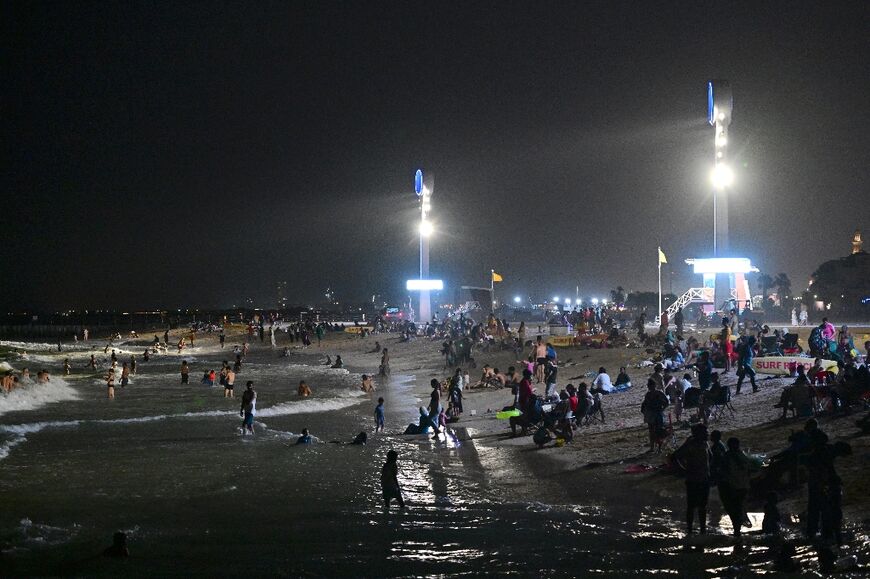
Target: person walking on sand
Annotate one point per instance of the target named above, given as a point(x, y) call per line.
point(248, 408)
point(185, 372)
point(125, 375)
point(133, 364)
point(110, 384)
point(66, 367)
point(694, 457)
point(92, 363)
point(390, 481)
point(222, 338)
point(379, 416)
point(540, 359)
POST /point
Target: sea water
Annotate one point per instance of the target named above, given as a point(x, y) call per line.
point(166, 464)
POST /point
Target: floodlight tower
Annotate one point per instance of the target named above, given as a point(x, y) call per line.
point(719, 105)
point(424, 194)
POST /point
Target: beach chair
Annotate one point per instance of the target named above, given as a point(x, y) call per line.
point(595, 412)
point(722, 405)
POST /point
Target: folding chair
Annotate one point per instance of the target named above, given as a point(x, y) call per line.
point(720, 406)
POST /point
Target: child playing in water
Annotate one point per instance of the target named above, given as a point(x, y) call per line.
point(379, 416)
point(390, 481)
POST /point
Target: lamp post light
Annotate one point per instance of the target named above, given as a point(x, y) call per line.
point(719, 106)
point(424, 194)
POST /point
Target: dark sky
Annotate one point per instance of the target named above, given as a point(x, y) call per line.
point(172, 154)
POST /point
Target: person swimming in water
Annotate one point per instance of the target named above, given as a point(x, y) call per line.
point(305, 438)
point(304, 390)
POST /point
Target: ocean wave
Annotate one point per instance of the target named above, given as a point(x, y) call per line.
point(18, 432)
point(32, 396)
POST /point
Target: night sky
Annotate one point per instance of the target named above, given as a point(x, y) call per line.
point(179, 154)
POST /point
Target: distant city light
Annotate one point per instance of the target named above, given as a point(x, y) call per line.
point(567, 301)
point(556, 299)
point(595, 301)
point(517, 299)
point(603, 302)
point(426, 228)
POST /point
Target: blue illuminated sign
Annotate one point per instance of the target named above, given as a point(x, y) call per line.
point(418, 182)
point(710, 117)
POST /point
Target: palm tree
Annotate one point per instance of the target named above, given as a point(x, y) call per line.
point(764, 281)
point(783, 288)
point(617, 296)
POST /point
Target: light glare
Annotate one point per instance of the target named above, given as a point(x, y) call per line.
point(426, 228)
point(722, 176)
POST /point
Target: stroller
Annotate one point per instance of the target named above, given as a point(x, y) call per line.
point(532, 417)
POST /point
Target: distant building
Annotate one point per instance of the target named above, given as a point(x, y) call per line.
point(842, 286)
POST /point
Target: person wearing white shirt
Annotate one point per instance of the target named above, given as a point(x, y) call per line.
point(602, 382)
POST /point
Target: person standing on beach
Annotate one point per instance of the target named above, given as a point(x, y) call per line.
point(390, 481)
point(92, 363)
point(379, 416)
point(694, 456)
point(185, 372)
point(248, 409)
point(166, 338)
point(222, 338)
point(85, 334)
point(66, 367)
point(132, 364)
point(540, 359)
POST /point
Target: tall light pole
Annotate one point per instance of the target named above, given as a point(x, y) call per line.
point(719, 105)
point(424, 194)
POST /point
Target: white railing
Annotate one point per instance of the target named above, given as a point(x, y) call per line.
point(693, 295)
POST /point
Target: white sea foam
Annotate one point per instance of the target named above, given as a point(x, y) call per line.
point(18, 432)
point(31, 395)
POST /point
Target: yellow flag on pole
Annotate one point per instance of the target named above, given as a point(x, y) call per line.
point(496, 277)
point(662, 258)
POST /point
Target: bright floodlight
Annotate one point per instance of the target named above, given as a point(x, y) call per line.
point(424, 284)
point(556, 299)
point(603, 302)
point(425, 228)
point(567, 301)
point(722, 176)
point(595, 301)
point(517, 299)
point(722, 265)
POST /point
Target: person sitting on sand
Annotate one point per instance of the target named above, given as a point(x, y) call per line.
point(602, 382)
point(367, 384)
point(338, 363)
point(623, 381)
point(376, 349)
point(423, 424)
point(328, 360)
point(304, 390)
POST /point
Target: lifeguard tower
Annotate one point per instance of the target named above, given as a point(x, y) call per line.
point(734, 269)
